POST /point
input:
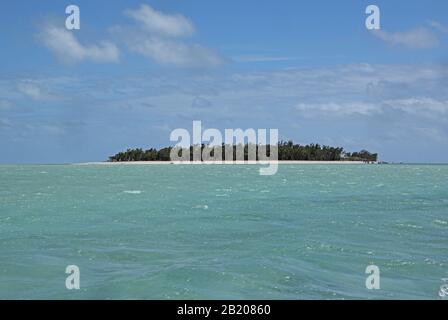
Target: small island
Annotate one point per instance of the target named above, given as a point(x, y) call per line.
point(287, 151)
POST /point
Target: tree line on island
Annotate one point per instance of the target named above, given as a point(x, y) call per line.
point(286, 151)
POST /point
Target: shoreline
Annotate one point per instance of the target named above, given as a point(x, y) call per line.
point(223, 162)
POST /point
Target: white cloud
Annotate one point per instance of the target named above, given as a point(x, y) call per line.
point(420, 105)
point(31, 90)
point(338, 109)
point(438, 26)
point(158, 38)
point(176, 53)
point(160, 23)
point(263, 59)
point(358, 90)
point(419, 38)
point(66, 46)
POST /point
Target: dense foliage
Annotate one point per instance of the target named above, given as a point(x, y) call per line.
point(286, 151)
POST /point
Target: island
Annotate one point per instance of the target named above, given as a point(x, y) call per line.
point(287, 151)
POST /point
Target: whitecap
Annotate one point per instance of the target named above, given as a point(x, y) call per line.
point(443, 293)
point(199, 206)
point(132, 191)
point(409, 225)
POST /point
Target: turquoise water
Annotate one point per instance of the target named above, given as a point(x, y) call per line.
point(223, 232)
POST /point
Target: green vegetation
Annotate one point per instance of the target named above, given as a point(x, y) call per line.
point(286, 151)
point(362, 155)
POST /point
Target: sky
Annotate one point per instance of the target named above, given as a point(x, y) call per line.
point(136, 70)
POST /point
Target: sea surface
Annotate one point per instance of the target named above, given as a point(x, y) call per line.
point(223, 231)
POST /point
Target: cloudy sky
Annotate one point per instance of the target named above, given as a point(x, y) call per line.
point(137, 70)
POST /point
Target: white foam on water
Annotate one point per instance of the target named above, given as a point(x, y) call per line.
point(409, 225)
point(200, 206)
point(443, 293)
point(132, 191)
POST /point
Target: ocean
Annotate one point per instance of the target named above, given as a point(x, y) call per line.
point(223, 231)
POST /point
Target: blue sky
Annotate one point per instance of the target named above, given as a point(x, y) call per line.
point(137, 70)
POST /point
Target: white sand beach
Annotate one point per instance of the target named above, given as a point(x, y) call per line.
point(221, 162)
